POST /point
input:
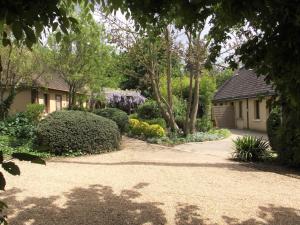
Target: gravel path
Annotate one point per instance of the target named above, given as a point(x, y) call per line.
point(190, 184)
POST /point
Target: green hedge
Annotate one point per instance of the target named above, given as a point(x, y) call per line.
point(75, 131)
point(273, 128)
point(117, 115)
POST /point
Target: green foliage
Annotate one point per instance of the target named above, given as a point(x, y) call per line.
point(179, 107)
point(75, 131)
point(273, 128)
point(179, 85)
point(117, 115)
point(149, 110)
point(250, 148)
point(289, 136)
point(160, 121)
point(224, 133)
point(143, 129)
point(155, 130)
point(27, 27)
point(204, 124)
point(34, 112)
point(175, 138)
point(18, 126)
point(133, 116)
point(10, 145)
point(223, 76)
point(180, 121)
point(207, 91)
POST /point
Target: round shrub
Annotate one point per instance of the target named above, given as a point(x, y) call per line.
point(75, 131)
point(148, 110)
point(273, 128)
point(117, 115)
point(155, 130)
point(141, 128)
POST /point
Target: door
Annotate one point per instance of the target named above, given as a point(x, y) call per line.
point(58, 100)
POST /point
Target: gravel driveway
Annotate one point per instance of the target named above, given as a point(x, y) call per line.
point(190, 184)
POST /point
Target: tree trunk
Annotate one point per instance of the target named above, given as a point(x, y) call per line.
point(189, 105)
point(194, 109)
point(169, 68)
point(167, 114)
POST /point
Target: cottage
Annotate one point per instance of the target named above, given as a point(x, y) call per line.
point(241, 102)
point(51, 91)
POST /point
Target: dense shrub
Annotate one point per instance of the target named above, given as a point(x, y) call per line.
point(148, 110)
point(34, 112)
point(180, 121)
point(140, 128)
point(160, 121)
point(289, 137)
point(273, 127)
point(179, 107)
point(18, 126)
point(204, 124)
point(117, 115)
point(250, 148)
point(70, 131)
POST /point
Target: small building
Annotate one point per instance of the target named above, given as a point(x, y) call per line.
point(241, 102)
point(51, 91)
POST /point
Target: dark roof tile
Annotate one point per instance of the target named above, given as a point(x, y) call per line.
point(244, 84)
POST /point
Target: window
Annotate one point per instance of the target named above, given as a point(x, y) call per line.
point(46, 102)
point(58, 100)
point(34, 95)
point(256, 109)
point(240, 109)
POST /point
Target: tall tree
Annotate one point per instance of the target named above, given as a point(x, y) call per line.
point(195, 60)
point(78, 57)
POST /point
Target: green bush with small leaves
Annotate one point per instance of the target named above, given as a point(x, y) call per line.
point(148, 110)
point(273, 129)
point(34, 112)
point(140, 128)
point(76, 131)
point(204, 124)
point(250, 148)
point(117, 115)
point(160, 121)
point(18, 126)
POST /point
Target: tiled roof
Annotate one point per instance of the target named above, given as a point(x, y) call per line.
point(52, 81)
point(244, 84)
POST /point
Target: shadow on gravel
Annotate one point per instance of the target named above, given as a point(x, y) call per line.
point(270, 215)
point(99, 205)
point(231, 165)
point(95, 205)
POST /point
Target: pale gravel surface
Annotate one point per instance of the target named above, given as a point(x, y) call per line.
point(190, 184)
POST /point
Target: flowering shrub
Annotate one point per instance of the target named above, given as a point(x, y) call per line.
point(155, 130)
point(125, 100)
point(140, 128)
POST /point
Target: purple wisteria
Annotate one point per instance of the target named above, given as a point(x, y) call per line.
point(125, 100)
